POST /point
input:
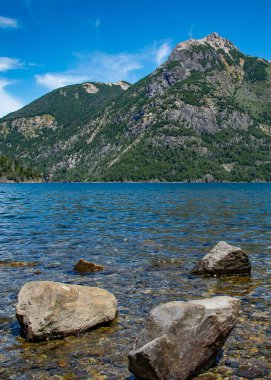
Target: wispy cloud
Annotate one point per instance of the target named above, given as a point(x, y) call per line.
point(162, 52)
point(98, 67)
point(6, 22)
point(55, 80)
point(7, 63)
point(191, 31)
point(97, 23)
point(8, 102)
point(104, 67)
point(109, 67)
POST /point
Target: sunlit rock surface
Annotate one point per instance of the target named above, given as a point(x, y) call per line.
point(48, 309)
point(181, 339)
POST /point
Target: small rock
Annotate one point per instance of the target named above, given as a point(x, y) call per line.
point(261, 316)
point(250, 373)
point(84, 266)
point(151, 243)
point(208, 178)
point(231, 363)
point(17, 264)
point(182, 339)
point(62, 363)
point(206, 377)
point(165, 263)
point(224, 259)
point(47, 310)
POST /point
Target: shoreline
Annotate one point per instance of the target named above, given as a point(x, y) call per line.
point(129, 182)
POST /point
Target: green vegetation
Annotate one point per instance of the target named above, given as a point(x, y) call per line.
point(13, 171)
point(254, 98)
point(69, 105)
point(255, 69)
point(171, 65)
point(207, 111)
point(193, 89)
point(149, 161)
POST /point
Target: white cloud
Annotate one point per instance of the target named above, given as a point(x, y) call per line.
point(162, 52)
point(98, 67)
point(104, 67)
point(8, 103)
point(7, 63)
point(6, 22)
point(109, 67)
point(55, 80)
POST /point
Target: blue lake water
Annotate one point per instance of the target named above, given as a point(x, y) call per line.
point(148, 237)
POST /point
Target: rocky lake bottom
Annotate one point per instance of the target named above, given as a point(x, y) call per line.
point(147, 237)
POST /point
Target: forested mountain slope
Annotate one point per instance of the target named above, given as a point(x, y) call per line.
point(203, 115)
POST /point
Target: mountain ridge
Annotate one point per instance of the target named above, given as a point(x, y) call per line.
point(85, 87)
point(204, 114)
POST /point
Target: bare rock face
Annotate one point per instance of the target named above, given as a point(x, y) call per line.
point(90, 88)
point(182, 339)
point(224, 259)
point(47, 310)
point(84, 266)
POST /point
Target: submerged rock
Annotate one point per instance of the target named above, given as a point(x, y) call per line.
point(182, 339)
point(17, 264)
point(84, 266)
point(251, 372)
point(48, 309)
point(224, 259)
point(206, 377)
point(165, 263)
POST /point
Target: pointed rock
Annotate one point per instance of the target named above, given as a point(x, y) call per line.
point(181, 339)
point(224, 259)
point(84, 266)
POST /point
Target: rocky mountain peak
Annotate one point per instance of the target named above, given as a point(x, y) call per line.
point(213, 39)
point(203, 115)
point(218, 42)
point(205, 54)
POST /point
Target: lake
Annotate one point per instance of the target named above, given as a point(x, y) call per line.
point(148, 237)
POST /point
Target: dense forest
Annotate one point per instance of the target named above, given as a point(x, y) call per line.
point(11, 170)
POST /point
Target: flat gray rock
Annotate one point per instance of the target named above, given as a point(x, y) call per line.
point(224, 259)
point(182, 339)
point(47, 310)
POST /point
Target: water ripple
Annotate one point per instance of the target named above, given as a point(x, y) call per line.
point(127, 228)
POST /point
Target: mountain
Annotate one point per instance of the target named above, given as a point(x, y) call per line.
point(203, 115)
point(39, 131)
point(72, 104)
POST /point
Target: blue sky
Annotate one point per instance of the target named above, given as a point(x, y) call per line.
point(45, 44)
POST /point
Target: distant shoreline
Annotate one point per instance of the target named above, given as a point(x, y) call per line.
point(127, 182)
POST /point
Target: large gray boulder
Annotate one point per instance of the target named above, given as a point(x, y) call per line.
point(224, 259)
point(182, 339)
point(48, 309)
